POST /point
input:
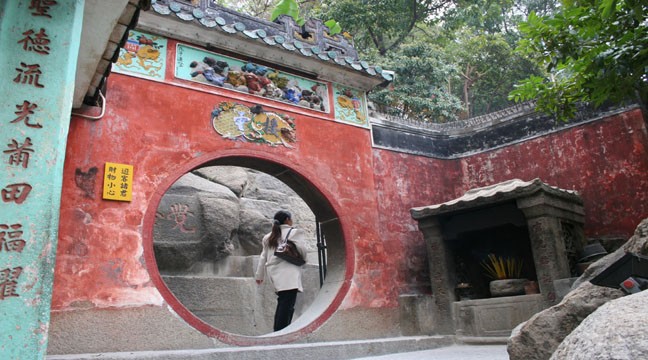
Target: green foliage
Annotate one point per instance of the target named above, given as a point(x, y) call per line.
point(287, 7)
point(334, 27)
point(489, 69)
point(382, 25)
point(494, 17)
point(595, 51)
point(419, 89)
point(479, 37)
point(291, 8)
point(256, 8)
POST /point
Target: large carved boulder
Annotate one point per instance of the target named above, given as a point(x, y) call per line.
point(616, 330)
point(217, 212)
point(195, 220)
point(233, 177)
point(539, 337)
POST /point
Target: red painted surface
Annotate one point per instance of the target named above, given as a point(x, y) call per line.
point(605, 161)
point(164, 131)
point(105, 254)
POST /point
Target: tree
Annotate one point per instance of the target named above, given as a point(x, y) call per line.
point(264, 8)
point(381, 25)
point(419, 90)
point(493, 17)
point(256, 8)
point(489, 68)
point(594, 51)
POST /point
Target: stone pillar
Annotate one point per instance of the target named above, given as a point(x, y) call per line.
point(441, 275)
point(545, 214)
point(39, 45)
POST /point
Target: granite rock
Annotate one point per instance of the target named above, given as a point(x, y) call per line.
point(616, 330)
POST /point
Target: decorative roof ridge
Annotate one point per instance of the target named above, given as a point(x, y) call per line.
point(310, 40)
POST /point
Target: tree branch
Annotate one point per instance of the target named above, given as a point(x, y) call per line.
point(378, 41)
point(413, 20)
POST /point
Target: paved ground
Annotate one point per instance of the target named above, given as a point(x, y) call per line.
point(457, 352)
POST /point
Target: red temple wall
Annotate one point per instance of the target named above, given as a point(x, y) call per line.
point(606, 161)
point(160, 128)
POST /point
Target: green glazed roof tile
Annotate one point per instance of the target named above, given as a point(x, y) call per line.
point(185, 16)
point(175, 7)
point(220, 21)
point(229, 29)
point(197, 13)
point(251, 34)
point(208, 22)
point(211, 14)
point(288, 46)
point(239, 26)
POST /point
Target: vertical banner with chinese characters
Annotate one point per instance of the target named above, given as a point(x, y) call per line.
point(39, 45)
point(118, 181)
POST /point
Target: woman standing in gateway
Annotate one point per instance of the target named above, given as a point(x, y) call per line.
point(284, 276)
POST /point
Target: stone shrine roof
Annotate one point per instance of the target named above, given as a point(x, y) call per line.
point(310, 41)
point(504, 191)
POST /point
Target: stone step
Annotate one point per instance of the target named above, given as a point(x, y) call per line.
point(337, 350)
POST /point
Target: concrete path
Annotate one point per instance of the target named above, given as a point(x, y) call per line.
point(456, 352)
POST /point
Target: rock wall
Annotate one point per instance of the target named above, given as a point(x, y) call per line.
point(220, 211)
point(541, 336)
point(616, 330)
point(207, 238)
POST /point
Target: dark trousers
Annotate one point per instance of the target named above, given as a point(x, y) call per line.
point(285, 308)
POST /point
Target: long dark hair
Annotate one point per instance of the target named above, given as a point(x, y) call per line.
point(279, 218)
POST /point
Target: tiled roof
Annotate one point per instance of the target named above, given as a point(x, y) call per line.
point(93, 67)
point(311, 40)
point(503, 191)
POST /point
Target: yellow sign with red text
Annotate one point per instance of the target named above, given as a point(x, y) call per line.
point(118, 182)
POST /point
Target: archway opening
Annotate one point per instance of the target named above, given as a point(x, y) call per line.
point(205, 248)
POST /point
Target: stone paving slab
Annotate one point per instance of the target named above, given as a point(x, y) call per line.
point(338, 350)
point(456, 352)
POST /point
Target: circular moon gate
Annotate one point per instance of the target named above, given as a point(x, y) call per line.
point(339, 254)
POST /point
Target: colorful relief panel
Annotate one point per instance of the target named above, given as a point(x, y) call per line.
point(217, 70)
point(143, 55)
point(239, 122)
point(350, 105)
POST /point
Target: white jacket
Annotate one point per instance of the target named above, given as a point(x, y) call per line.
point(282, 274)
